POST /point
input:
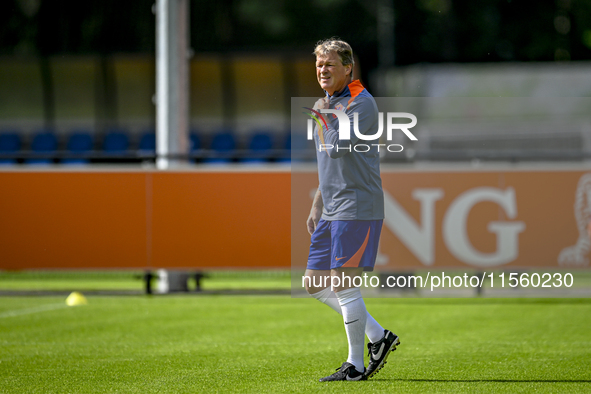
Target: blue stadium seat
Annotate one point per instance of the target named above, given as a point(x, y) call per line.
point(286, 156)
point(10, 142)
point(195, 144)
point(223, 146)
point(259, 146)
point(79, 143)
point(44, 141)
point(147, 144)
point(195, 141)
point(116, 142)
point(301, 149)
point(297, 149)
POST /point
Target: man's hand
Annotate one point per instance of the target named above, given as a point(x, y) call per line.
point(313, 219)
point(321, 103)
point(315, 212)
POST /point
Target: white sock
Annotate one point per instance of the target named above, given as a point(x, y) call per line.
point(373, 329)
point(355, 317)
point(327, 296)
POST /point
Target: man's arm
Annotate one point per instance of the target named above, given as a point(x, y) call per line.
point(315, 212)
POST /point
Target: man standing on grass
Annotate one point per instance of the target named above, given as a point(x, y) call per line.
point(348, 209)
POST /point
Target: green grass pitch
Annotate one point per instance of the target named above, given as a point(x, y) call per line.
point(193, 344)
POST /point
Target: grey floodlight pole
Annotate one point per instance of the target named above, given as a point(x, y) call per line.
point(172, 82)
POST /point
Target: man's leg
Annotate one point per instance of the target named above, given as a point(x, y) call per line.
point(318, 286)
point(354, 313)
point(344, 238)
point(326, 295)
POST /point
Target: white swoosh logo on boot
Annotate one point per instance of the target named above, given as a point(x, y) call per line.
point(379, 353)
point(357, 378)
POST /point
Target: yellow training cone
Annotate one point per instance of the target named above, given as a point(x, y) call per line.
point(76, 298)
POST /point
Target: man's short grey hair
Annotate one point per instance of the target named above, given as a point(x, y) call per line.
point(324, 47)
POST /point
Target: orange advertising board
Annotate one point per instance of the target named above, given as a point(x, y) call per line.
point(472, 219)
point(223, 219)
point(144, 219)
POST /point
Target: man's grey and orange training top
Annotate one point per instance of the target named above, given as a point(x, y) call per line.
point(350, 181)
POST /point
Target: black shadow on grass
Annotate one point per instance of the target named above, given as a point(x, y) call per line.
point(486, 380)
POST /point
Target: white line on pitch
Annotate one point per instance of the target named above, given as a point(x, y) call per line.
point(28, 311)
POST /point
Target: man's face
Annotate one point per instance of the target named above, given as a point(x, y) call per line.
point(331, 74)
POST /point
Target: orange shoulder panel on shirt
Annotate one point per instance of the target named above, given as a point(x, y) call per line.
point(355, 88)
